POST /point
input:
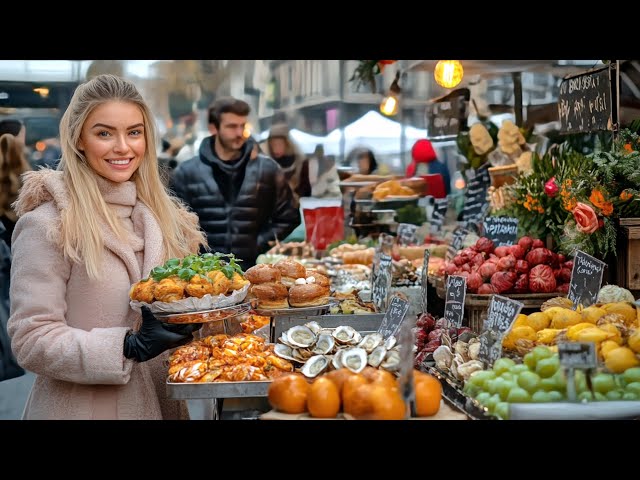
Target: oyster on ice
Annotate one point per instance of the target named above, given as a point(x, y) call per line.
point(371, 341)
point(344, 334)
point(315, 366)
point(324, 344)
point(301, 336)
point(355, 359)
point(376, 357)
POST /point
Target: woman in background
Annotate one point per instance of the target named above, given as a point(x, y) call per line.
point(13, 164)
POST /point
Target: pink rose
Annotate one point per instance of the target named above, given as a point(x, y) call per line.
point(586, 218)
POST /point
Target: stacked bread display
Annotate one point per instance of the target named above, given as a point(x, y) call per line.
point(286, 284)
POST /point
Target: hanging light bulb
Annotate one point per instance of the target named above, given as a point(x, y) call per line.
point(248, 130)
point(389, 105)
point(448, 73)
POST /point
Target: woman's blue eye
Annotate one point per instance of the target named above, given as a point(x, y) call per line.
point(104, 133)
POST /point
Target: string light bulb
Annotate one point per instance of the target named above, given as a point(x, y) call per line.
point(390, 103)
point(448, 73)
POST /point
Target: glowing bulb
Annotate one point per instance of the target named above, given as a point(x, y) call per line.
point(389, 105)
point(459, 182)
point(248, 128)
point(448, 73)
point(42, 91)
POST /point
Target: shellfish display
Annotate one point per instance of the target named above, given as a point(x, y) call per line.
point(314, 350)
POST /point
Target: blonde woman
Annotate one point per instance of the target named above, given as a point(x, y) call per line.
point(85, 233)
point(13, 164)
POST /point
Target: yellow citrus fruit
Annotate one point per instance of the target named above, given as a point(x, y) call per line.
point(607, 346)
point(634, 341)
point(538, 321)
point(621, 358)
point(592, 314)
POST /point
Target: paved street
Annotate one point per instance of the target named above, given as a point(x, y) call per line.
point(13, 395)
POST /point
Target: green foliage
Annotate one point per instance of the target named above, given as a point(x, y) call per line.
point(198, 265)
point(412, 214)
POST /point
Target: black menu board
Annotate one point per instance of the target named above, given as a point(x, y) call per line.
point(424, 282)
point(381, 282)
point(476, 204)
point(501, 230)
point(585, 102)
point(501, 315)
point(393, 317)
point(586, 278)
point(440, 206)
point(454, 303)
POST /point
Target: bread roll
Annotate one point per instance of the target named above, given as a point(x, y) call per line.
point(308, 295)
point(290, 271)
point(320, 279)
point(270, 295)
point(263, 273)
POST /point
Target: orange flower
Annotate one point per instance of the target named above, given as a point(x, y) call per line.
point(628, 147)
point(569, 204)
point(624, 196)
point(598, 201)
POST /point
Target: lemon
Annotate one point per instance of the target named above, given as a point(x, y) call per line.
point(538, 321)
point(607, 346)
point(620, 359)
point(634, 341)
point(592, 314)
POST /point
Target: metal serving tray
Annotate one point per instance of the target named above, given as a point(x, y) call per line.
point(293, 311)
point(187, 391)
point(363, 322)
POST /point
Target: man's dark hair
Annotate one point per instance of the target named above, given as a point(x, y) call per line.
point(10, 125)
point(227, 105)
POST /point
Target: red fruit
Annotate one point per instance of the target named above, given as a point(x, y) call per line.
point(507, 263)
point(537, 243)
point(503, 281)
point(565, 275)
point(426, 322)
point(522, 284)
point(539, 256)
point(568, 264)
point(474, 280)
point(522, 266)
point(485, 245)
point(486, 289)
point(487, 269)
point(525, 242)
point(431, 346)
point(451, 268)
point(501, 251)
point(517, 251)
point(561, 258)
point(461, 330)
point(563, 288)
point(541, 279)
point(459, 260)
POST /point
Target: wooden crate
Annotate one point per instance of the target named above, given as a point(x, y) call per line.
point(477, 306)
point(628, 259)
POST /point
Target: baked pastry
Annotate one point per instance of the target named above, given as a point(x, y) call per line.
point(263, 273)
point(270, 295)
point(319, 278)
point(308, 295)
point(290, 271)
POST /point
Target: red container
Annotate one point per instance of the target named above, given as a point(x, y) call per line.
point(323, 225)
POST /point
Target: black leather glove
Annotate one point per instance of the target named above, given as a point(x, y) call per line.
point(154, 337)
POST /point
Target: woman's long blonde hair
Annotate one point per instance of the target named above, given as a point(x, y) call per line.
point(81, 233)
point(13, 163)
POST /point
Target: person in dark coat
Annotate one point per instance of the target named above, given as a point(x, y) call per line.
point(242, 197)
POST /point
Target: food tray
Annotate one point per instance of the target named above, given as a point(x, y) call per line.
point(293, 311)
point(187, 391)
point(205, 316)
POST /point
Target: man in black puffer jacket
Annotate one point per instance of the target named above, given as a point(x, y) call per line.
point(241, 197)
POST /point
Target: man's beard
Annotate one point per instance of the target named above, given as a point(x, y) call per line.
point(229, 145)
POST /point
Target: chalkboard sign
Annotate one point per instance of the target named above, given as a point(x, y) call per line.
point(584, 102)
point(459, 234)
point(580, 355)
point(586, 278)
point(440, 206)
point(381, 282)
point(424, 281)
point(454, 304)
point(406, 234)
point(393, 317)
point(476, 203)
point(447, 115)
point(500, 316)
point(501, 230)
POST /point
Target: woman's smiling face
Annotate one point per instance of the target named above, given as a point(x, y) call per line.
point(113, 140)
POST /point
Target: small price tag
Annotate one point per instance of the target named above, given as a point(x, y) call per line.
point(502, 313)
point(459, 234)
point(381, 282)
point(393, 317)
point(580, 355)
point(586, 278)
point(424, 281)
point(406, 234)
point(440, 206)
point(454, 304)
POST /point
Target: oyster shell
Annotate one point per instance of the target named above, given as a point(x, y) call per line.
point(284, 351)
point(344, 334)
point(336, 361)
point(313, 326)
point(301, 336)
point(371, 341)
point(391, 361)
point(474, 350)
point(355, 359)
point(324, 344)
point(466, 369)
point(443, 357)
point(390, 342)
point(285, 339)
point(376, 357)
point(315, 366)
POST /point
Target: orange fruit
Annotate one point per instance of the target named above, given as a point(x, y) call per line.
point(349, 388)
point(384, 377)
point(386, 403)
point(360, 405)
point(428, 393)
point(288, 393)
point(339, 377)
point(323, 400)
